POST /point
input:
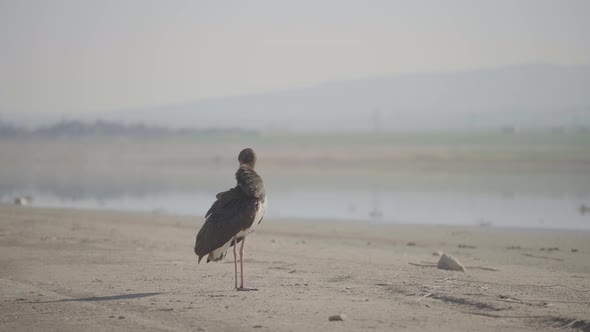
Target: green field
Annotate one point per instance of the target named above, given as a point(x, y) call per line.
point(484, 138)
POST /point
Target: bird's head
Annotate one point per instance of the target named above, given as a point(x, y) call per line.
point(247, 157)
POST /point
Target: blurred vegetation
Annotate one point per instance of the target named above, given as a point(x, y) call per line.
point(68, 129)
point(487, 137)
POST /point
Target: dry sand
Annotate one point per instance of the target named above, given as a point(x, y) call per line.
point(71, 270)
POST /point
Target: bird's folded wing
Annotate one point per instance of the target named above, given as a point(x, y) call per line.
point(230, 214)
point(224, 198)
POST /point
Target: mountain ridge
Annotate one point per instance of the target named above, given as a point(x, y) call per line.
point(524, 95)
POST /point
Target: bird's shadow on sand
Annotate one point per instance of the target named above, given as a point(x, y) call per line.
point(103, 298)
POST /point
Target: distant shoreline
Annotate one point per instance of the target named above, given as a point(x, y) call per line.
point(393, 152)
point(360, 223)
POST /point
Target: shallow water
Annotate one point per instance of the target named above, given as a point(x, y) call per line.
point(489, 200)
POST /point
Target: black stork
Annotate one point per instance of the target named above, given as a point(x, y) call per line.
point(233, 216)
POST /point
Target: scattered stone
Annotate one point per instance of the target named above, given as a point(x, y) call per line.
point(335, 318)
point(437, 253)
point(111, 316)
point(121, 317)
point(574, 250)
point(448, 262)
point(513, 248)
point(411, 244)
point(543, 257)
point(257, 326)
point(550, 249)
point(466, 246)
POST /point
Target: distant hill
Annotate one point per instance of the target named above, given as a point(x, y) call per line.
point(529, 96)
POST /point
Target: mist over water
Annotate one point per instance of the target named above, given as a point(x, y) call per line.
point(541, 210)
point(537, 199)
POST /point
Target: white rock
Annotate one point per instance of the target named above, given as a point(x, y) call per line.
point(21, 201)
point(448, 262)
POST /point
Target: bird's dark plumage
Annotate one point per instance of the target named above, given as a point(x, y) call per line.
point(235, 213)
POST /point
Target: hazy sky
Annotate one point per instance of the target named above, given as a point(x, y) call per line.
point(80, 56)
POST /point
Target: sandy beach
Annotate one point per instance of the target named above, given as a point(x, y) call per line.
point(72, 270)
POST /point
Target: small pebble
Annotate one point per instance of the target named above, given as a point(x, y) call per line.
point(411, 244)
point(334, 318)
point(574, 250)
point(121, 317)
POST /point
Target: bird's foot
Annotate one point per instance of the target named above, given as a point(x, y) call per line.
point(244, 289)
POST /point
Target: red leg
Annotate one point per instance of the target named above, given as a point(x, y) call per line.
point(242, 288)
point(235, 264)
point(242, 263)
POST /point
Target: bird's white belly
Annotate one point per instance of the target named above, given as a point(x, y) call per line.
point(219, 252)
point(257, 218)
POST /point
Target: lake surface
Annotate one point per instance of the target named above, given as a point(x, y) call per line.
point(513, 201)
